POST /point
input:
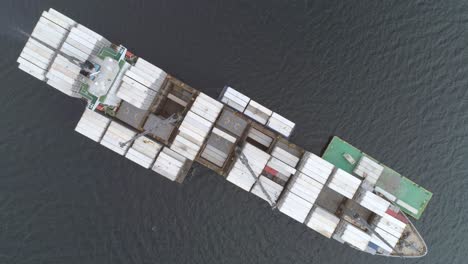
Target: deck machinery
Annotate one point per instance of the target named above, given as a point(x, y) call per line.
point(345, 194)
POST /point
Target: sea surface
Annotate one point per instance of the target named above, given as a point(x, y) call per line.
point(390, 77)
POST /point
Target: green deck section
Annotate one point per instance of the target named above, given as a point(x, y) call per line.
point(92, 99)
point(391, 181)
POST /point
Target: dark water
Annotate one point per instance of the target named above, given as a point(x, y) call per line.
point(391, 78)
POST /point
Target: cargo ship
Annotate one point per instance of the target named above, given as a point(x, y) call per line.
point(137, 110)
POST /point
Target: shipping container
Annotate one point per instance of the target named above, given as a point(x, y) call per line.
point(240, 175)
point(344, 183)
point(92, 125)
point(294, 206)
point(368, 169)
point(116, 134)
point(207, 107)
point(305, 187)
point(257, 112)
point(57, 20)
point(280, 124)
point(234, 99)
point(287, 152)
point(315, 167)
point(373, 202)
point(169, 164)
point(322, 221)
point(355, 237)
point(144, 151)
point(271, 188)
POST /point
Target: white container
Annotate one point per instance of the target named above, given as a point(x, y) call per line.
point(74, 52)
point(374, 203)
point(207, 107)
point(224, 135)
point(305, 187)
point(144, 151)
point(285, 156)
point(39, 48)
point(315, 167)
point(294, 206)
point(281, 167)
point(272, 188)
point(139, 96)
point(344, 183)
point(57, 20)
point(260, 137)
point(61, 16)
point(258, 112)
point(116, 134)
point(169, 163)
point(280, 124)
point(92, 125)
point(368, 169)
point(240, 174)
point(323, 221)
point(35, 58)
point(32, 70)
point(235, 99)
point(355, 237)
point(392, 225)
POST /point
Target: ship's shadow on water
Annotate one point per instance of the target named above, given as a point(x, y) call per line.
point(390, 78)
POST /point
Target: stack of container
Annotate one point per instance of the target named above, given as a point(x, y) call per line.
point(92, 125)
point(373, 202)
point(389, 228)
point(344, 183)
point(63, 75)
point(195, 128)
point(143, 151)
point(235, 99)
point(280, 125)
point(169, 164)
point(116, 134)
point(282, 153)
point(305, 187)
point(206, 107)
point(240, 174)
point(50, 32)
point(141, 83)
point(272, 188)
point(368, 169)
point(260, 137)
point(322, 221)
point(315, 167)
point(35, 59)
point(279, 169)
point(82, 42)
point(294, 206)
point(355, 237)
point(258, 112)
point(218, 147)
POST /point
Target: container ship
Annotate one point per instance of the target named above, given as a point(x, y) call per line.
point(139, 111)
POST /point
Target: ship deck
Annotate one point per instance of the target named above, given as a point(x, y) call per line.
point(391, 181)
